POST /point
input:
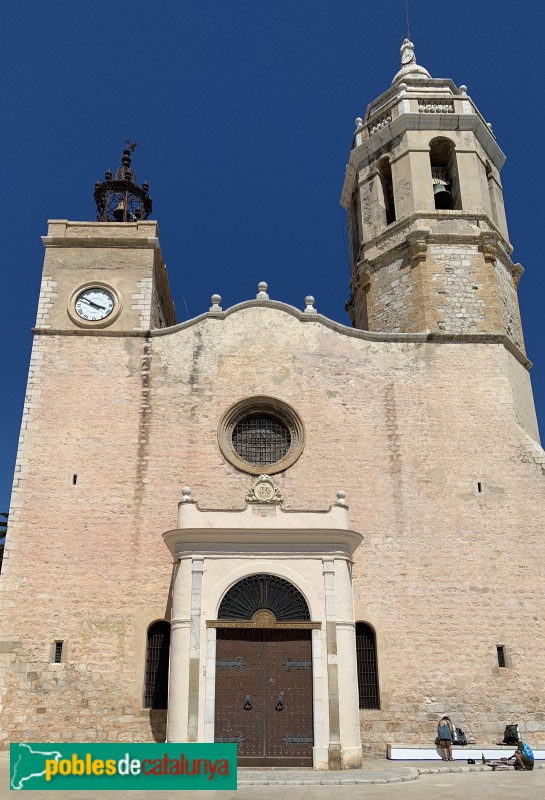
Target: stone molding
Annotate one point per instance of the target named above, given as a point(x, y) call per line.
point(289, 542)
point(426, 221)
point(263, 619)
point(425, 337)
point(149, 243)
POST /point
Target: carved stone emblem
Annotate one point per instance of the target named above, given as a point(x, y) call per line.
point(264, 619)
point(264, 490)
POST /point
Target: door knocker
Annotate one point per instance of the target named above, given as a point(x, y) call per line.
point(280, 702)
point(248, 703)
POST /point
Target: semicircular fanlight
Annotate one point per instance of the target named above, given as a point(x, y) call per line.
point(263, 591)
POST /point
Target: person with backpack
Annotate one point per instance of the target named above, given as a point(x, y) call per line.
point(522, 758)
point(445, 731)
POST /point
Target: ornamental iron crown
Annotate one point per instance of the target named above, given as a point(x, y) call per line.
point(119, 198)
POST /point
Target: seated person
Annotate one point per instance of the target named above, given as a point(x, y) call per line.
point(523, 755)
point(522, 758)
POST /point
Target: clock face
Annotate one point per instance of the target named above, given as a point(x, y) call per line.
point(94, 304)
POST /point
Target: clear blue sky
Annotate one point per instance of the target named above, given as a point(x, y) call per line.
point(245, 110)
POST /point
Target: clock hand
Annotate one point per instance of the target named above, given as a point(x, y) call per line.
point(96, 305)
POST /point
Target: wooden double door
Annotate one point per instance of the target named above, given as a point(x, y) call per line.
point(264, 695)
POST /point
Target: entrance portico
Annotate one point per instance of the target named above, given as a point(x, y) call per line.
point(311, 552)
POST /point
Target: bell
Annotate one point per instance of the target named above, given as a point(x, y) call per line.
point(119, 212)
point(442, 196)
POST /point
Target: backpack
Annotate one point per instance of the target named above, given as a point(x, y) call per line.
point(511, 734)
point(461, 738)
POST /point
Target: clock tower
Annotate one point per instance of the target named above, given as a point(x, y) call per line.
point(109, 273)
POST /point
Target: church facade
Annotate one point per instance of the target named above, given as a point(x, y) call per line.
point(264, 527)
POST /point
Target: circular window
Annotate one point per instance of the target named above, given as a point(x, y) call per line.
point(261, 435)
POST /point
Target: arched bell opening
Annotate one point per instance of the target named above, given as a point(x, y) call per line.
point(444, 175)
point(387, 185)
point(491, 193)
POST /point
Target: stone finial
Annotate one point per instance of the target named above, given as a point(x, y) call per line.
point(463, 89)
point(215, 300)
point(409, 68)
point(403, 87)
point(186, 495)
point(358, 123)
point(309, 302)
point(407, 53)
point(341, 499)
point(262, 291)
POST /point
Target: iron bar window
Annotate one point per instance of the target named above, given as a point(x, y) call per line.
point(157, 656)
point(366, 654)
point(57, 656)
point(261, 439)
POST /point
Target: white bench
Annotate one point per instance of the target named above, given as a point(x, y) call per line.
point(407, 752)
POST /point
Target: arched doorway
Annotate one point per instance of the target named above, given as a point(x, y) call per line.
point(264, 673)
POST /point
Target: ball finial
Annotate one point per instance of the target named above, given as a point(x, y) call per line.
point(216, 302)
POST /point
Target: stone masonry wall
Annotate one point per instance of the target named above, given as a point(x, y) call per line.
point(510, 307)
point(444, 574)
point(457, 278)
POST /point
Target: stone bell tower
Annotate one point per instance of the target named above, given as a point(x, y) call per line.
point(428, 233)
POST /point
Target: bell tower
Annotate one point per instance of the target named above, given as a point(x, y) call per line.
point(428, 234)
point(107, 274)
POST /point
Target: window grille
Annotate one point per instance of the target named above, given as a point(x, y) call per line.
point(501, 655)
point(366, 654)
point(264, 591)
point(157, 656)
point(261, 439)
point(57, 658)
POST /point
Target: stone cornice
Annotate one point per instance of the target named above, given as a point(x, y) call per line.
point(428, 222)
point(73, 243)
point(425, 337)
point(312, 542)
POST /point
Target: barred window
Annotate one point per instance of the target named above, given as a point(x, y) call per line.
point(366, 654)
point(261, 434)
point(261, 439)
point(157, 655)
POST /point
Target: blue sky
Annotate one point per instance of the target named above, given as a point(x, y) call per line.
point(245, 111)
